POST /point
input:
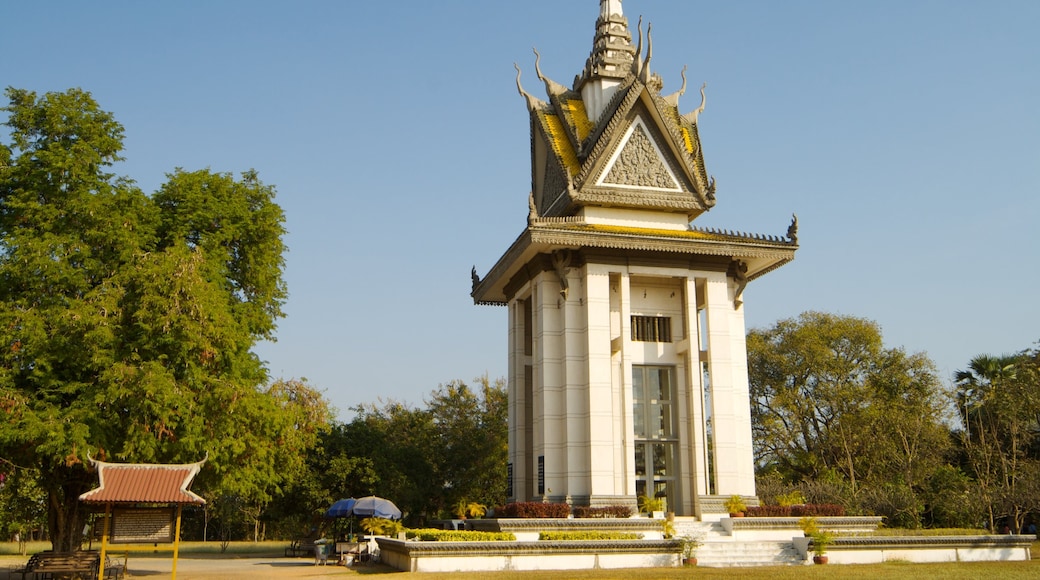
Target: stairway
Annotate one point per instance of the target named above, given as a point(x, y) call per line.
point(719, 549)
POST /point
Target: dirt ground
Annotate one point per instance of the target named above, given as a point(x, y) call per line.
point(149, 568)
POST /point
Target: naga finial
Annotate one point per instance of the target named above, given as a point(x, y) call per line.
point(645, 73)
point(636, 63)
point(792, 230)
point(692, 116)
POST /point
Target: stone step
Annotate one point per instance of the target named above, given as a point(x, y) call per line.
point(729, 553)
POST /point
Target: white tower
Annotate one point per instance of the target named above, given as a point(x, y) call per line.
point(627, 359)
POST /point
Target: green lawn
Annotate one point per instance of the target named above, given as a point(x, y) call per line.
point(9, 558)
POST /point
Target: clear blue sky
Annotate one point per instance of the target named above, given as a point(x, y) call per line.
point(905, 134)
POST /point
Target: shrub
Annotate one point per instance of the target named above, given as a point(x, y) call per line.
point(817, 509)
point(769, 511)
point(791, 498)
point(589, 535)
point(651, 504)
point(534, 509)
point(381, 526)
point(735, 504)
point(797, 511)
point(609, 511)
point(435, 535)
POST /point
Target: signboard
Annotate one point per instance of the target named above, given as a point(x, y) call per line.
point(509, 480)
point(142, 526)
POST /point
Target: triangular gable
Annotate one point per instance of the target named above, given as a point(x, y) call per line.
point(640, 163)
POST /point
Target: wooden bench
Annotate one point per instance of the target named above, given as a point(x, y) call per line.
point(55, 565)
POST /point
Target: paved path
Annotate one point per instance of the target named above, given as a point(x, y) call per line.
point(220, 568)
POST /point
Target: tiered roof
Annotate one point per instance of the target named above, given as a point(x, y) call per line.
point(613, 142)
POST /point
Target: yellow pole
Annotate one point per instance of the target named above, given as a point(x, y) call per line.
point(104, 543)
point(176, 544)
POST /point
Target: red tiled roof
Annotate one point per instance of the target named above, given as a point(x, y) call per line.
point(144, 483)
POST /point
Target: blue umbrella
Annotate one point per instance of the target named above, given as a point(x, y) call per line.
point(341, 508)
point(376, 506)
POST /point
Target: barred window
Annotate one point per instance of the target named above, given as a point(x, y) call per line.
point(652, 328)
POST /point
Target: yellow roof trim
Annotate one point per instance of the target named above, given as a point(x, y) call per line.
point(561, 144)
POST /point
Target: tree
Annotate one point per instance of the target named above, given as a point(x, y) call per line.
point(999, 405)
point(473, 429)
point(827, 397)
point(127, 321)
point(424, 459)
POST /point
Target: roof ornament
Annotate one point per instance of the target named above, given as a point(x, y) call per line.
point(673, 99)
point(740, 269)
point(637, 65)
point(551, 86)
point(532, 102)
point(649, 53)
point(532, 209)
point(561, 260)
point(792, 230)
point(694, 114)
point(476, 279)
point(711, 189)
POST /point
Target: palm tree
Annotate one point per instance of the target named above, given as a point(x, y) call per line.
point(980, 391)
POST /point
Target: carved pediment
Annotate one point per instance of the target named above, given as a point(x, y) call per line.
point(639, 162)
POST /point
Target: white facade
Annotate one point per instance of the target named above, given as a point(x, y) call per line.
point(627, 358)
point(574, 432)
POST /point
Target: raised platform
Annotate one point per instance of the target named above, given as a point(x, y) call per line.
point(535, 555)
point(728, 542)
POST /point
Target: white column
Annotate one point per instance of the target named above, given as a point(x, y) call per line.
point(734, 465)
point(604, 439)
point(516, 397)
point(552, 358)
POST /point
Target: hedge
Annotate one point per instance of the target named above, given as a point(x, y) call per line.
point(533, 509)
point(435, 535)
point(589, 535)
point(610, 511)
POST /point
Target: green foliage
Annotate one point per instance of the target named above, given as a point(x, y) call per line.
point(998, 403)
point(425, 459)
point(834, 409)
point(465, 508)
point(435, 535)
point(22, 505)
point(534, 509)
point(794, 497)
point(649, 504)
point(127, 321)
point(821, 540)
point(607, 511)
point(690, 545)
point(735, 504)
point(381, 527)
point(589, 535)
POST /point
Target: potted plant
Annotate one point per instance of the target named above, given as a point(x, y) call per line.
point(736, 506)
point(652, 505)
point(476, 510)
point(689, 550)
point(460, 509)
point(820, 539)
